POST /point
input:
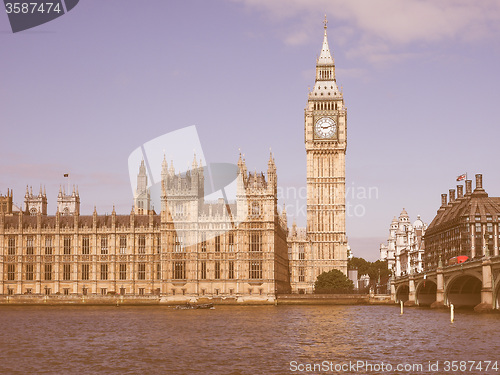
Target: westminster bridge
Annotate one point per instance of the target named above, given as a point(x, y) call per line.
point(475, 283)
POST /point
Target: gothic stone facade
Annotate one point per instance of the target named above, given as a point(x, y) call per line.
point(325, 131)
point(191, 250)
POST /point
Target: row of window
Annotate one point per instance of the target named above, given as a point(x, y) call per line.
point(325, 106)
point(255, 244)
point(67, 240)
point(85, 272)
point(178, 270)
point(85, 291)
point(254, 266)
point(217, 270)
point(326, 73)
point(141, 291)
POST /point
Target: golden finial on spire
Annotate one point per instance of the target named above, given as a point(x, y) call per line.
point(325, 22)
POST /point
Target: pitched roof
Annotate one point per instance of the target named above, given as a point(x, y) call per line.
point(469, 206)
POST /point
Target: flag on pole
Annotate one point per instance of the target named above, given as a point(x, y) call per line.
point(462, 177)
point(66, 175)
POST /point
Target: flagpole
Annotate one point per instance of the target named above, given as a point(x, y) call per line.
point(66, 175)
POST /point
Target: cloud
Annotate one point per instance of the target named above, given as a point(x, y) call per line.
point(379, 30)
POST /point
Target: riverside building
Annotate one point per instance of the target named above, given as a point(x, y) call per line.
point(404, 251)
point(465, 224)
point(193, 249)
point(189, 251)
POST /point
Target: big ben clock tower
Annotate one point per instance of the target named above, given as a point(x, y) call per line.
point(326, 142)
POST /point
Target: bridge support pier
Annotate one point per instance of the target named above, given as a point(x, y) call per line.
point(411, 294)
point(393, 290)
point(440, 288)
point(486, 304)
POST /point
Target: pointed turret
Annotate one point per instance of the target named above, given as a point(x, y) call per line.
point(142, 195)
point(164, 168)
point(171, 169)
point(325, 85)
point(194, 165)
point(272, 177)
point(270, 164)
point(142, 179)
point(240, 164)
point(325, 57)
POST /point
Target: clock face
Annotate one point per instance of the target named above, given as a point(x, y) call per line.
point(325, 127)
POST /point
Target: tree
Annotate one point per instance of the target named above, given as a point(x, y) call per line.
point(333, 281)
point(360, 264)
point(372, 269)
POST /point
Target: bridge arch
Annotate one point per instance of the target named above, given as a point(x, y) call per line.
point(425, 292)
point(496, 291)
point(464, 290)
point(402, 293)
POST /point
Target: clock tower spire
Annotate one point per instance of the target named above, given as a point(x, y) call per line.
point(325, 65)
point(326, 142)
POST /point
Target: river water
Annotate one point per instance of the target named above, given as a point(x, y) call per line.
point(243, 340)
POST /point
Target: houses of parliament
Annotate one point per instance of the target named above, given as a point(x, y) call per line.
point(192, 249)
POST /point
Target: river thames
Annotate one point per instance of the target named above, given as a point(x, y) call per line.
point(244, 340)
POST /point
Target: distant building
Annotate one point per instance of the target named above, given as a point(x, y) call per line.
point(404, 250)
point(352, 274)
point(467, 224)
point(142, 198)
point(363, 282)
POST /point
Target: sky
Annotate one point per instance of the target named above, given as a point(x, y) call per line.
point(420, 80)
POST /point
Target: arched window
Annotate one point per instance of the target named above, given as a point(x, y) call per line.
point(255, 209)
